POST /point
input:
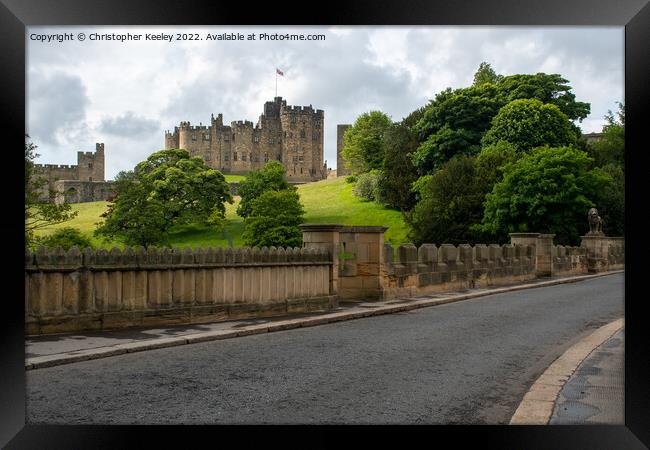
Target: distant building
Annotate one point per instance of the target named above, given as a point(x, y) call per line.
point(83, 182)
point(290, 134)
point(593, 137)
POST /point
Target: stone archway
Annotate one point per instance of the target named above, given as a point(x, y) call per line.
point(72, 195)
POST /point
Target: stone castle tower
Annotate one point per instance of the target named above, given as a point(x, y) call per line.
point(75, 183)
point(341, 170)
point(290, 134)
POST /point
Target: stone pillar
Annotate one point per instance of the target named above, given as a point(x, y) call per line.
point(527, 239)
point(362, 268)
point(597, 252)
point(325, 236)
point(544, 255)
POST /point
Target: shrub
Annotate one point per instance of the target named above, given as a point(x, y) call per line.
point(366, 186)
point(351, 179)
point(65, 237)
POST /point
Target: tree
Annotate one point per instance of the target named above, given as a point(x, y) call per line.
point(269, 178)
point(609, 155)
point(169, 188)
point(486, 74)
point(450, 202)
point(548, 190)
point(39, 212)
point(398, 170)
point(274, 220)
point(547, 88)
point(453, 124)
point(610, 149)
point(529, 123)
point(363, 143)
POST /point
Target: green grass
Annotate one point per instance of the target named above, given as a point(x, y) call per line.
point(327, 201)
point(234, 178)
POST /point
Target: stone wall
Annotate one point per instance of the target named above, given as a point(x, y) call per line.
point(98, 290)
point(411, 271)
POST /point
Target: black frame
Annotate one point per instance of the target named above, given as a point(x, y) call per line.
point(16, 14)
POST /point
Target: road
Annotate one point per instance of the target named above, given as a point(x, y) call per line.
point(469, 362)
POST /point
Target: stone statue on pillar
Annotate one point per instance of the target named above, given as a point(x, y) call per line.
point(595, 223)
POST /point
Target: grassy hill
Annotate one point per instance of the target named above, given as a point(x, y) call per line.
point(327, 201)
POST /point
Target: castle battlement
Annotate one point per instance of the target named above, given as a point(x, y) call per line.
point(243, 146)
point(55, 166)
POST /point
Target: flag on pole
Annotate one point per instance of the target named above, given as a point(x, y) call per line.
point(279, 72)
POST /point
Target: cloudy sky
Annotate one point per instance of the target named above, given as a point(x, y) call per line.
point(126, 94)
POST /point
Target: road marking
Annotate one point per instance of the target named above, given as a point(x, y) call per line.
point(537, 405)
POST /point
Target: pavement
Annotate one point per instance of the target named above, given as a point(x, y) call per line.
point(595, 393)
point(55, 349)
point(585, 385)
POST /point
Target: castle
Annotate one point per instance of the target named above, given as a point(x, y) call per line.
point(83, 182)
point(290, 134)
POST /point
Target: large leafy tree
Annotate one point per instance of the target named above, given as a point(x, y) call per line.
point(167, 189)
point(364, 147)
point(529, 123)
point(456, 120)
point(274, 220)
point(453, 124)
point(449, 204)
point(548, 190)
point(271, 177)
point(547, 88)
point(40, 212)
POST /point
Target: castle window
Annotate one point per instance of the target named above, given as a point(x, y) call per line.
point(243, 156)
point(90, 178)
point(266, 157)
point(234, 156)
point(295, 159)
point(271, 141)
point(226, 138)
point(302, 134)
point(300, 158)
point(206, 137)
point(233, 137)
point(285, 134)
point(226, 156)
point(279, 157)
point(207, 157)
point(293, 118)
point(194, 137)
point(90, 165)
point(315, 136)
point(301, 170)
point(256, 138)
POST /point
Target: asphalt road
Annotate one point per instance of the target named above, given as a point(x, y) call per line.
point(469, 362)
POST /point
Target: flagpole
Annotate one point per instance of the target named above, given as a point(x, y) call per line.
point(276, 82)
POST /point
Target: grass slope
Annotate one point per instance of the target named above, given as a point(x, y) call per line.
point(327, 201)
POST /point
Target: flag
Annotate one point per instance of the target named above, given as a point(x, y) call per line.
point(279, 72)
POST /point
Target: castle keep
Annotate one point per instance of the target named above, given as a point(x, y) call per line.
point(83, 182)
point(290, 134)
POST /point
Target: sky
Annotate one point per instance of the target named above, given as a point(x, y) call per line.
point(127, 93)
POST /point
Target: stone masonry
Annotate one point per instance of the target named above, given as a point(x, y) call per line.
point(81, 182)
point(84, 290)
point(290, 134)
